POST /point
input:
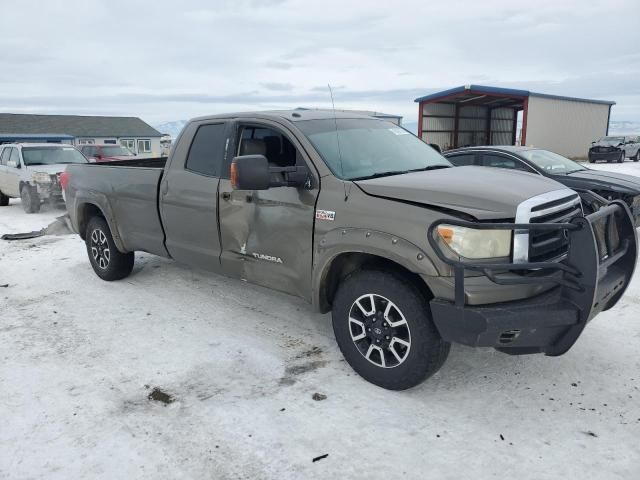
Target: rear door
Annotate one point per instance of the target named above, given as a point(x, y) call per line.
point(12, 174)
point(189, 195)
point(3, 167)
point(267, 235)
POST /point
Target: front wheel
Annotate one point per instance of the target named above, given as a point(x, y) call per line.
point(383, 326)
point(637, 157)
point(30, 199)
point(4, 200)
point(621, 157)
point(107, 261)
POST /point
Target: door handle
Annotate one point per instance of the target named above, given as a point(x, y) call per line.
point(226, 195)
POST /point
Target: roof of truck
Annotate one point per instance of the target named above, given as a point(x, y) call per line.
point(295, 115)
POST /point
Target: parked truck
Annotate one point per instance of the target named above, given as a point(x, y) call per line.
point(361, 218)
point(30, 171)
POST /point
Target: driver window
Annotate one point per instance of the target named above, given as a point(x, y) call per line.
point(277, 148)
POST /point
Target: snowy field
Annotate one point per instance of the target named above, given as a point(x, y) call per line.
point(241, 364)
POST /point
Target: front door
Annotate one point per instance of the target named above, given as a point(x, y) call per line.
point(267, 235)
point(189, 196)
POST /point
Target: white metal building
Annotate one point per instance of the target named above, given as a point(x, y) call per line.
point(478, 115)
point(131, 132)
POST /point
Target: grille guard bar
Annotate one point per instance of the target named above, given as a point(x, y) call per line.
point(591, 283)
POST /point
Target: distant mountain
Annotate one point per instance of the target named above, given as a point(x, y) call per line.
point(171, 128)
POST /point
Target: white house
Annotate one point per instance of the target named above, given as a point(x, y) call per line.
point(131, 132)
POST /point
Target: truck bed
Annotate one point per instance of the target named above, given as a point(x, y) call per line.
point(125, 190)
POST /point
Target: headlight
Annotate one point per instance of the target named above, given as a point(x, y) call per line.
point(41, 177)
point(472, 243)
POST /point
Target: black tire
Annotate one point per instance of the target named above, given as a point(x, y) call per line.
point(621, 157)
point(637, 157)
point(107, 261)
point(30, 199)
point(592, 160)
point(4, 200)
point(426, 352)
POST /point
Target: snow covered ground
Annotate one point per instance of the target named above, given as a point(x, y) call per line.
point(79, 358)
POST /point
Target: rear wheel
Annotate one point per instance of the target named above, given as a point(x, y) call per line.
point(637, 157)
point(383, 327)
point(30, 199)
point(107, 261)
point(4, 200)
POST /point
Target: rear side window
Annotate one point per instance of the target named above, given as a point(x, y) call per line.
point(463, 159)
point(14, 156)
point(4, 156)
point(206, 154)
point(501, 161)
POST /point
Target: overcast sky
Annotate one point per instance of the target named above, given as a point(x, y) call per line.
point(169, 60)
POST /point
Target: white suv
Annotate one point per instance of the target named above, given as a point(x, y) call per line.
point(31, 171)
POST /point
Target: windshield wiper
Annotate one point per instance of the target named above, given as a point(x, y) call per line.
point(399, 172)
point(380, 174)
point(430, 167)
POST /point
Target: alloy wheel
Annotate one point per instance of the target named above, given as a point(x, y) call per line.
point(100, 249)
point(379, 330)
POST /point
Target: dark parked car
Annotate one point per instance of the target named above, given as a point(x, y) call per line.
point(615, 148)
point(609, 185)
point(106, 153)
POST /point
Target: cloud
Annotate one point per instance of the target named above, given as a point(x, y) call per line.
point(192, 58)
point(276, 86)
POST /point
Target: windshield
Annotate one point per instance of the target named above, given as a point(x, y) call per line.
point(116, 151)
point(612, 139)
point(551, 162)
point(365, 148)
point(51, 155)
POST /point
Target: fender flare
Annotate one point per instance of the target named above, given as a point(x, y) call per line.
point(101, 202)
point(359, 240)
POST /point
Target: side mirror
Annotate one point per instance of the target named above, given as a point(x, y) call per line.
point(252, 172)
point(13, 164)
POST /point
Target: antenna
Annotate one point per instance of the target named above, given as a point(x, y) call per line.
point(335, 123)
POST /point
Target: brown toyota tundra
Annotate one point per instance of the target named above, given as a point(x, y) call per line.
point(361, 218)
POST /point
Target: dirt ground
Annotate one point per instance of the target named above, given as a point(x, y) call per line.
point(172, 373)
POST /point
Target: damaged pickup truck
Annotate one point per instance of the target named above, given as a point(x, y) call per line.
point(361, 218)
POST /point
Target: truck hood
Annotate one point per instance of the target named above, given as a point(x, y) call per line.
point(606, 143)
point(613, 180)
point(484, 193)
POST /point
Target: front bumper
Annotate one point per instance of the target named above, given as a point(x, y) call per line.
point(595, 273)
point(50, 191)
point(611, 155)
